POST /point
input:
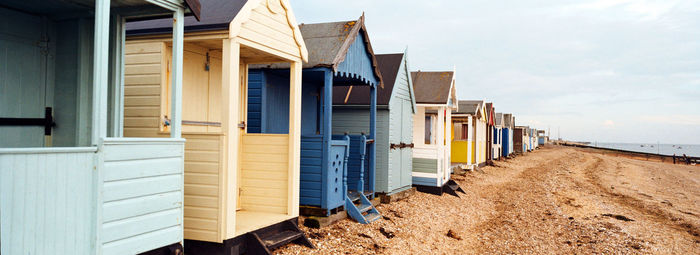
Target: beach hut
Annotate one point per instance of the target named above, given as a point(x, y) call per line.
point(241, 187)
point(469, 130)
point(519, 140)
point(542, 137)
point(435, 100)
point(498, 136)
point(70, 183)
point(395, 108)
point(490, 112)
point(337, 170)
point(507, 134)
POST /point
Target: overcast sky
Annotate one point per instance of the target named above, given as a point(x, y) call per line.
point(608, 70)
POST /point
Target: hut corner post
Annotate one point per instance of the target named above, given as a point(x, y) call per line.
point(372, 135)
point(100, 73)
point(470, 139)
point(176, 85)
point(294, 138)
point(326, 129)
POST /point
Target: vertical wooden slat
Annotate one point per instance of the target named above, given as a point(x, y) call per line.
point(100, 71)
point(176, 79)
point(230, 92)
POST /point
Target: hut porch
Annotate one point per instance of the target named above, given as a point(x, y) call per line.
point(69, 182)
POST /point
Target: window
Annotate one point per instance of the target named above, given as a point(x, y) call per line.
point(428, 129)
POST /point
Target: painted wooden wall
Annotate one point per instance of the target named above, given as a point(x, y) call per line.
point(400, 163)
point(142, 192)
point(34, 221)
point(269, 25)
point(145, 105)
point(264, 172)
point(358, 61)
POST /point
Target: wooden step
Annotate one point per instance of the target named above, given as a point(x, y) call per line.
point(281, 238)
point(372, 217)
point(364, 207)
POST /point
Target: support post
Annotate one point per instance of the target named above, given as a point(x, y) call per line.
point(470, 140)
point(326, 130)
point(294, 137)
point(100, 75)
point(230, 88)
point(116, 67)
point(372, 135)
point(176, 79)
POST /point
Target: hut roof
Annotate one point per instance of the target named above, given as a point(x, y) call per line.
point(432, 87)
point(499, 119)
point(469, 106)
point(389, 65)
point(215, 14)
point(329, 42)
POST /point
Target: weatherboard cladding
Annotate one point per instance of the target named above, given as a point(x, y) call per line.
point(432, 87)
point(215, 14)
point(389, 65)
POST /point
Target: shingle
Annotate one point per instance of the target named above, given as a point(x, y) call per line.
point(215, 14)
point(432, 87)
point(469, 106)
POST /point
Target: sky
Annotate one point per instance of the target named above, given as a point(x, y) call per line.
point(597, 70)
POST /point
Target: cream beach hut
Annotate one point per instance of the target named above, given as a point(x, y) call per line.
point(241, 188)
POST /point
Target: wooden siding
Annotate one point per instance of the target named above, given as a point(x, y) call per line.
point(203, 173)
point(400, 163)
point(264, 172)
point(142, 194)
point(311, 173)
point(47, 202)
point(271, 30)
point(144, 68)
point(358, 62)
point(425, 165)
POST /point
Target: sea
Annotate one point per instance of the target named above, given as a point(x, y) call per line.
point(664, 149)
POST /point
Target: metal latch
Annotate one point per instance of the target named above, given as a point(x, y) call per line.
point(241, 125)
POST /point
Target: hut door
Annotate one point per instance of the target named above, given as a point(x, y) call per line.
point(406, 138)
point(23, 63)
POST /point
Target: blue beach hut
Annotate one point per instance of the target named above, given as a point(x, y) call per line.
point(337, 169)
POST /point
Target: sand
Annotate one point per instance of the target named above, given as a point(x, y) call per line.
point(556, 200)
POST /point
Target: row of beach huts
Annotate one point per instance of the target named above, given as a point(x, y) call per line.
point(140, 126)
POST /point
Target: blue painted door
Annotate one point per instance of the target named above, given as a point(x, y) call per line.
point(22, 77)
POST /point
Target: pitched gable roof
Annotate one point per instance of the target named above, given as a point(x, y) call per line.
point(469, 107)
point(432, 87)
point(215, 14)
point(499, 119)
point(329, 43)
point(389, 65)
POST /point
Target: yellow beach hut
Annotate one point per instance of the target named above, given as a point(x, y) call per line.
point(241, 189)
point(469, 132)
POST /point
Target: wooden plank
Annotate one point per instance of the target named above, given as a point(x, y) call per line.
point(123, 170)
point(202, 167)
point(142, 224)
point(140, 205)
point(130, 188)
point(142, 151)
point(146, 122)
point(140, 48)
point(201, 201)
point(199, 178)
point(200, 224)
point(138, 69)
point(265, 175)
point(142, 111)
point(132, 101)
point(144, 242)
point(201, 189)
point(193, 234)
point(201, 212)
point(142, 79)
point(150, 58)
point(142, 90)
point(201, 156)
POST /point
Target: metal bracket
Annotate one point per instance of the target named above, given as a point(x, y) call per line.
point(47, 121)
